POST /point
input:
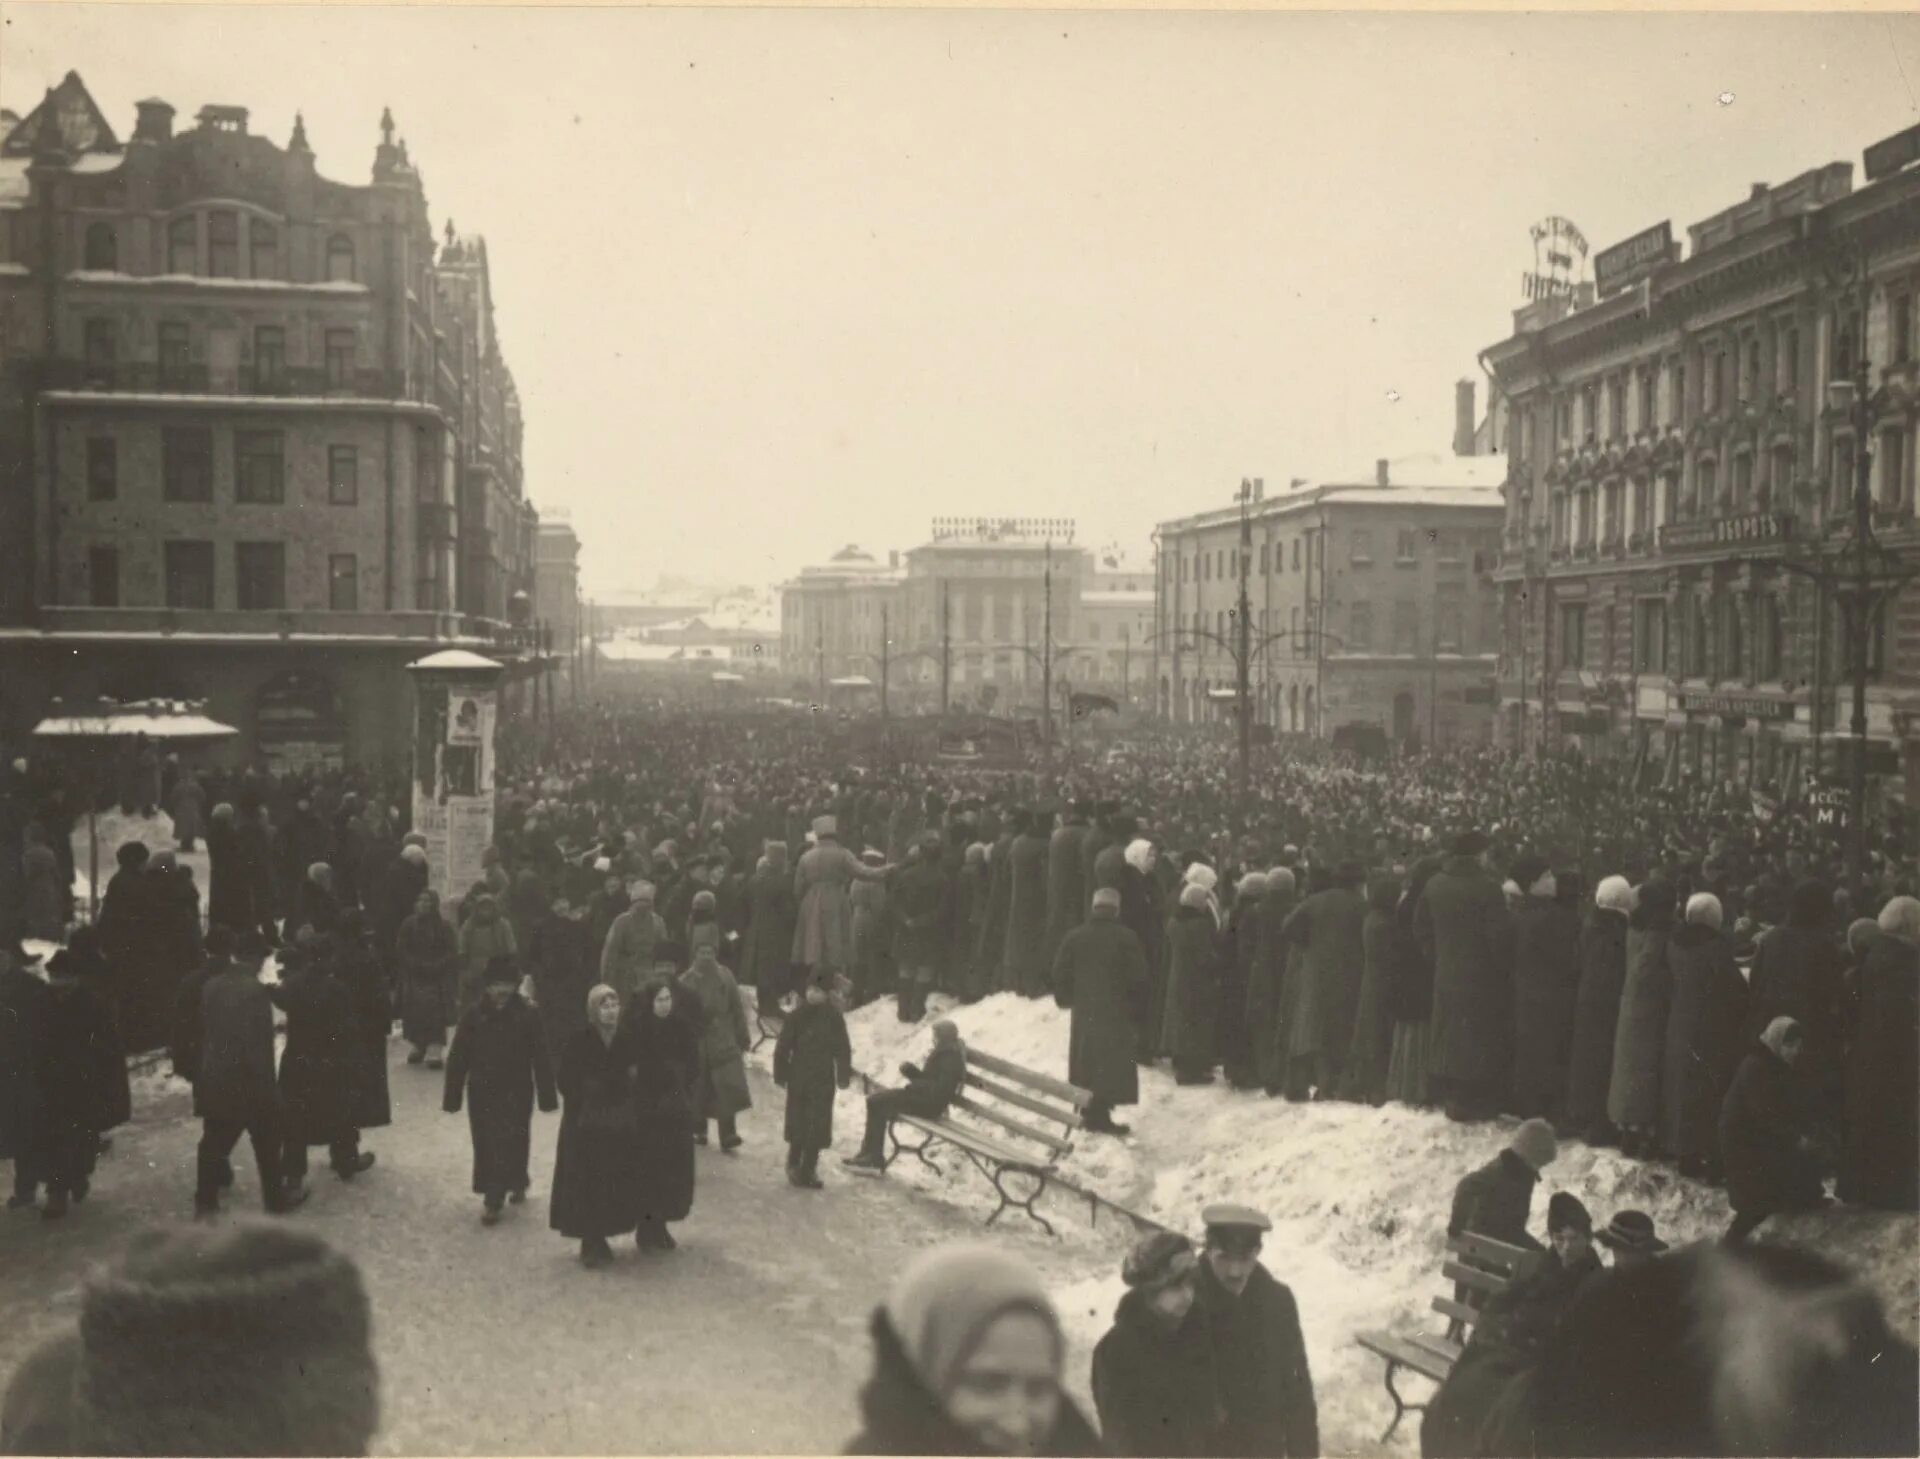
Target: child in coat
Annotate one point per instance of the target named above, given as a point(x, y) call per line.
point(812, 1058)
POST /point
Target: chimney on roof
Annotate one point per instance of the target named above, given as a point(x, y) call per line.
point(1463, 422)
point(1759, 192)
point(1380, 473)
point(153, 121)
point(214, 117)
point(1296, 483)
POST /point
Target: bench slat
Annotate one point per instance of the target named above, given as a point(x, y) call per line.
point(1069, 1117)
point(1398, 1350)
point(969, 1139)
point(1433, 1342)
point(1007, 1122)
point(1458, 1311)
point(1509, 1259)
point(1472, 1277)
point(1059, 1089)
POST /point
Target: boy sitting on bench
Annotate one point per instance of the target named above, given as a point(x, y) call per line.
point(927, 1094)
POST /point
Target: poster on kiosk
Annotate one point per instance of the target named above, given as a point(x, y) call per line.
point(456, 706)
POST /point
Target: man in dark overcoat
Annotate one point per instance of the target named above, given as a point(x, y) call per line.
point(772, 911)
point(919, 908)
point(1100, 973)
point(23, 1016)
point(1465, 930)
point(498, 1065)
point(235, 1092)
point(1067, 887)
point(1252, 1326)
point(1026, 963)
point(318, 1066)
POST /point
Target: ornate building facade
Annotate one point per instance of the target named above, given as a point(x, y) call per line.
point(1674, 457)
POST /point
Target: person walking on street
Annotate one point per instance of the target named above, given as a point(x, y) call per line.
point(811, 1059)
point(1258, 1354)
point(429, 959)
point(1153, 1382)
point(23, 1041)
point(597, 1165)
point(721, 1094)
point(319, 1064)
point(236, 1093)
point(499, 1065)
point(633, 943)
point(660, 1043)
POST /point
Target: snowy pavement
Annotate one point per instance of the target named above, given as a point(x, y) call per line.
point(752, 1338)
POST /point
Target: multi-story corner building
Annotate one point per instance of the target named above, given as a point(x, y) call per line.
point(233, 432)
point(1371, 602)
point(1672, 455)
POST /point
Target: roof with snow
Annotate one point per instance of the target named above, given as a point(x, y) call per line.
point(1117, 598)
point(1426, 480)
point(454, 660)
point(70, 109)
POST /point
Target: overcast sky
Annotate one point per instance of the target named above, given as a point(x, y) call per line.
point(776, 281)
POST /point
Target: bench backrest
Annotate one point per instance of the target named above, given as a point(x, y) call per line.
point(1483, 1267)
point(1021, 1102)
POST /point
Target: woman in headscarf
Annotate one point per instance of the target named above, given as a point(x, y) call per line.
point(1799, 973)
point(721, 1093)
point(597, 1168)
point(1140, 911)
point(661, 1042)
point(1596, 1012)
point(1193, 982)
point(1769, 1152)
point(1881, 1165)
point(968, 1359)
point(1704, 1024)
point(1640, 1038)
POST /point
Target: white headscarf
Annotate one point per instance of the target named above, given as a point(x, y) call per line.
point(1703, 909)
point(1202, 875)
point(1139, 854)
point(1614, 894)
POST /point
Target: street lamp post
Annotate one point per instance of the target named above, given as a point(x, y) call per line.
point(1243, 705)
point(1046, 644)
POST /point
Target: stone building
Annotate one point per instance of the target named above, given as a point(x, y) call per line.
point(556, 590)
point(1672, 451)
point(1371, 602)
point(239, 406)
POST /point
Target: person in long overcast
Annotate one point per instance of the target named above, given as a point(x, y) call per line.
point(721, 1093)
point(498, 1066)
point(660, 1041)
point(596, 1166)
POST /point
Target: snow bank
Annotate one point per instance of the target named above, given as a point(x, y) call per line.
point(114, 830)
point(1359, 1199)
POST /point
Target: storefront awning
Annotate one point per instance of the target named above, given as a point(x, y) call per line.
point(157, 721)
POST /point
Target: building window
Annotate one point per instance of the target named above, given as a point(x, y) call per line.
point(339, 359)
point(1617, 408)
point(260, 576)
point(1296, 554)
point(263, 249)
point(1573, 635)
point(1789, 374)
point(1893, 468)
point(1360, 629)
point(1642, 507)
point(223, 244)
point(343, 582)
point(343, 476)
point(1901, 328)
point(103, 577)
point(1742, 481)
point(1840, 478)
point(1646, 398)
point(259, 468)
point(1589, 408)
point(103, 468)
point(1293, 633)
point(176, 355)
point(1843, 344)
point(189, 571)
point(1677, 406)
point(1449, 620)
point(1563, 420)
point(1750, 374)
point(1768, 649)
point(101, 252)
point(183, 245)
point(1406, 626)
point(1732, 640)
point(1610, 514)
point(340, 259)
point(269, 358)
point(1407, 544)
point(1360, 549)
point(1265, 554)
point(101, 344)
point(1706, 485)
point(186, 463)
point(1650, 637)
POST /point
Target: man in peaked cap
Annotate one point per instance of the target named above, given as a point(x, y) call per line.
point(1251, 1325)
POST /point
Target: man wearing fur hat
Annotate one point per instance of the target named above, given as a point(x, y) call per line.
point(1100, 973)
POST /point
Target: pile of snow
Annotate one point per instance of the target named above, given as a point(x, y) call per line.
point(1359, 1199)
point(115, 830)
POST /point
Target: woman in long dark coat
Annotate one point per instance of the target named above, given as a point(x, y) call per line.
point(1704, 1026)
point(812, 1058)
point(1596, 1012)
point(713, 1005)
point(597, 1167)
point(1799, 972)
point(1881, 1164)
point(499, 1063)
point(429, 958)
point(660, 1037)
point(319, 1065)
point(1412, 997)
point(1240, 954)
point(76, 1086)
point(1766, 1139)
point(561, 961)
point(96, 977)
point(1365, 1079)
point(772, 912)
point(989, 953)
point(358, 966)
point(1546, 986)
point(1640, 1037)
point(1026, 968)
point(1263, 988)
point(1193, 983)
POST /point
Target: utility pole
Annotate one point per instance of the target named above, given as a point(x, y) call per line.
point(1046, 649)
point(1126, 664)
point(820, 656)
point(1243, 656)
point(1433, 684)
point(886, 659)
point(1159, 628)
point(946, 643)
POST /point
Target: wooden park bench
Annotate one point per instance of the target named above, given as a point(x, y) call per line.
point(1019, 1105)
point(1483, 1267)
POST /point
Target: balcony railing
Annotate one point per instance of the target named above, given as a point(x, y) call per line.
point(149, 377)
point(1737, 530)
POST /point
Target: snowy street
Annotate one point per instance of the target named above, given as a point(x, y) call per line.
point(751, 1338)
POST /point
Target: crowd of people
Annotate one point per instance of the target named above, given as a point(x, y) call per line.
point(1677, 970)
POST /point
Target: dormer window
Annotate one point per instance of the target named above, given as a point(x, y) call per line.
point(100, 250)
point(340, 259)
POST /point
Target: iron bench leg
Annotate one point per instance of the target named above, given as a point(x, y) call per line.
point(901, 1147)
point(998, 1174)
point(1401, 1407)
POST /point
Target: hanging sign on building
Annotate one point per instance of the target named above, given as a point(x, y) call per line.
point(1884, 158)
point(1748, 705)
point(1829, 807)
point(1627, 263)
point(1559, 257)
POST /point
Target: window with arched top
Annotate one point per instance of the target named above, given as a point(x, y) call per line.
point(101, 251)
point(340, 259)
